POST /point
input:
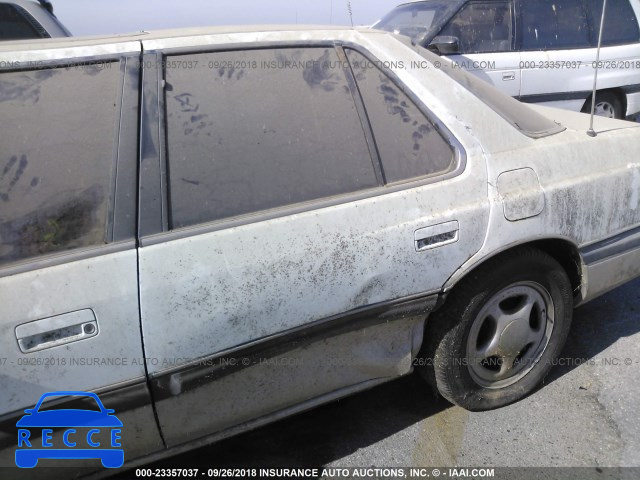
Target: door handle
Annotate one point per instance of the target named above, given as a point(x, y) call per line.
point(508, 76)
point(437, 236)
point(54, 331)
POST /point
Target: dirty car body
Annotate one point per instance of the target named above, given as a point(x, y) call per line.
point(245, 224)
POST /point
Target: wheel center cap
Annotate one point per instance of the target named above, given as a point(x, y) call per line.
point(514, 337)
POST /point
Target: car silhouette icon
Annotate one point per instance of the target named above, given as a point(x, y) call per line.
point(77, 445)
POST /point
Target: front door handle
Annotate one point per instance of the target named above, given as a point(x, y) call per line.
point(437, 236)
point(508, 76)
point(54, 331)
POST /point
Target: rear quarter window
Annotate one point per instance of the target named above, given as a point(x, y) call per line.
point(409, 144)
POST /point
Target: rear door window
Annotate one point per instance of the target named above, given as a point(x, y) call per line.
point(57, 161)
point(254, 130)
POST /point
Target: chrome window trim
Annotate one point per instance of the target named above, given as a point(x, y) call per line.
point(117, 123)
point(68, 256)
point(280, 212)
point(152, 180)
point(126, 187)
point(153, 236)
point(22, 56)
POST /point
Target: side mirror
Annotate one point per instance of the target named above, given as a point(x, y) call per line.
point(444, 45)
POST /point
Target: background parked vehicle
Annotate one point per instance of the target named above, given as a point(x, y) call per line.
point(539, 51)
point(26, 19)
point(207, 266)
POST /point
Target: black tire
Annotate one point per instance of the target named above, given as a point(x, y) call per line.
point(607, 105)
point(458, 331)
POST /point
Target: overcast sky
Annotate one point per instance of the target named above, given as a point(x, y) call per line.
point(93, 17)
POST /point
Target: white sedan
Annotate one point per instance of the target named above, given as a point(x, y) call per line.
point(216, 228)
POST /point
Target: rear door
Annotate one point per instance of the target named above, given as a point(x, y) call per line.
point(68, 267)
point(277, 221)
point(485, 30)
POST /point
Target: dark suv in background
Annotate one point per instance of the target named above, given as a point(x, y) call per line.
point(24, 19)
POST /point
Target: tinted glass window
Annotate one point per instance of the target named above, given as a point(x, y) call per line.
point(482, 27)
point(620, 23)
point(254, 130)
point(13, 26)
point(408, 143)
point(554, 24)
point(56, 158)
point(417, 19)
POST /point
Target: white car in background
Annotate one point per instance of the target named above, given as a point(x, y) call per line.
point(538, 51)
point(25, 19)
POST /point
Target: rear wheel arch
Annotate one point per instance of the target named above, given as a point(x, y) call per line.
point(546, 269)
point(565, 252)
